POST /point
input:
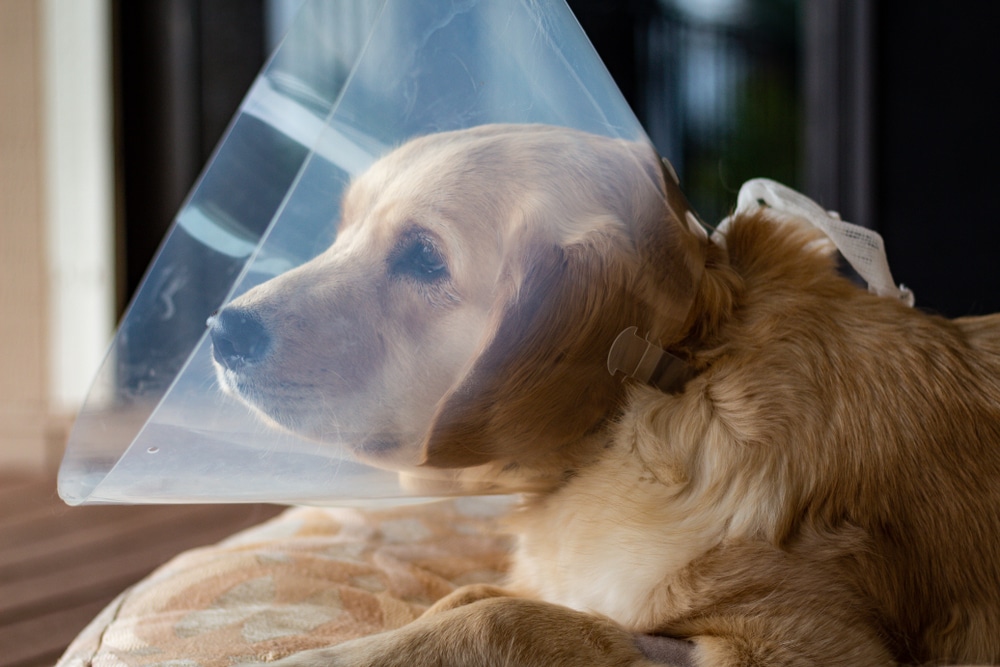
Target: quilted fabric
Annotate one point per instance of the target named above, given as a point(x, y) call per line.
point(308, 578)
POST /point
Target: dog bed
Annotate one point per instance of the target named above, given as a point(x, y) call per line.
point(309, 577)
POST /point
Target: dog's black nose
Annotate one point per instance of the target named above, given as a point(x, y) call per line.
point(238, 338)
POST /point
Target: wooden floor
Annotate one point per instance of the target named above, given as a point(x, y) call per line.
point(59, 565)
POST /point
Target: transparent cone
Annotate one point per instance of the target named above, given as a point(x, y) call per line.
point(347, 85)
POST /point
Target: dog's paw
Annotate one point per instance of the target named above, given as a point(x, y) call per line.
point(372, 651)
point(483, 631)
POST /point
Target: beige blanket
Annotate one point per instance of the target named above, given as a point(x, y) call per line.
point(308, 578)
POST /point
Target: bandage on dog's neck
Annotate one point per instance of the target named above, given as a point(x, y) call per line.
point(637, 357)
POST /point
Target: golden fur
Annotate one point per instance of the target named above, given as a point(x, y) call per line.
point(823, 491)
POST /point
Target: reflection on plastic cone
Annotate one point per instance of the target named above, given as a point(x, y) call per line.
point(171, 420)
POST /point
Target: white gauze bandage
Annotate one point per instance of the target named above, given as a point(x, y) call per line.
point(863, 248)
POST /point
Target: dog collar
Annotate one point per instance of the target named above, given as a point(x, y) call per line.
point(648, 363)
point(637, 357)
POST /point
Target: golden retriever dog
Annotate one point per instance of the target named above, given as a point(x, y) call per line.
point(809, 476)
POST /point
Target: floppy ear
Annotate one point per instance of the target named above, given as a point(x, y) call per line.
point(672, 247)
point(541, 380)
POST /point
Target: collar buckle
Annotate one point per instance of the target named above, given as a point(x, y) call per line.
point(648, 363)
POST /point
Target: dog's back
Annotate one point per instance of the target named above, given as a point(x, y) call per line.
point(895, 420)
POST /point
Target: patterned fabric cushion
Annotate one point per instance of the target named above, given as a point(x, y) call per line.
point(308, 578)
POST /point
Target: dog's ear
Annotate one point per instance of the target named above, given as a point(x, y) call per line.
point(540, 381)
point(672, 247)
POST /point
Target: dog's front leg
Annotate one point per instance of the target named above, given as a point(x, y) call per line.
point(469, 629)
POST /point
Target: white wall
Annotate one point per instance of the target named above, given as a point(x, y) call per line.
point(56, 219)
point(79, 191)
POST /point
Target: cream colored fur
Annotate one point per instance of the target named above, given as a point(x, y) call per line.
point(823, 491)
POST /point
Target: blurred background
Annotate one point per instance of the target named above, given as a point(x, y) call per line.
point(109, 110)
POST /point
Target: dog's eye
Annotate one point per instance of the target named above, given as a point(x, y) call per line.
point(419, 258)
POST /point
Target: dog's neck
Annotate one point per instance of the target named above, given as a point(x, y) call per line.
point(668, 367)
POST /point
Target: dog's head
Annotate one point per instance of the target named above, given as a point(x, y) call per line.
point(465, 312)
